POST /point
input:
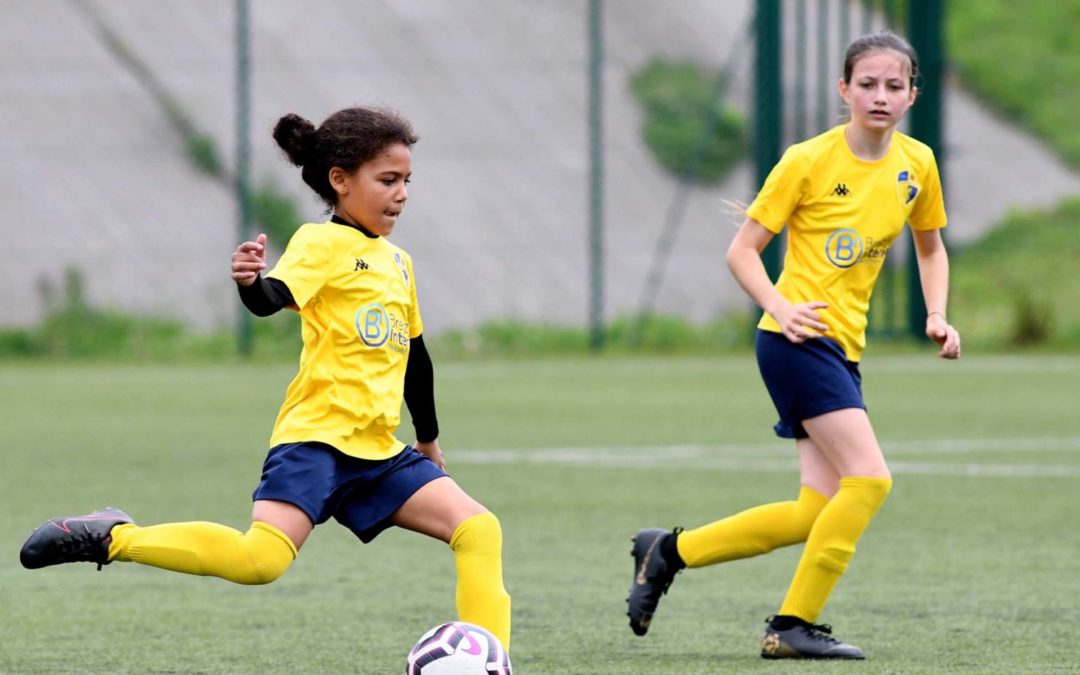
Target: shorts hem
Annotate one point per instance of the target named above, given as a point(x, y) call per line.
point(831, 406)
point(369, 534)
point(796, 430)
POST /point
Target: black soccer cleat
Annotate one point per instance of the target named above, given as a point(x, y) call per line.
point(806, 641)
point(73, 539)
point(652, 578)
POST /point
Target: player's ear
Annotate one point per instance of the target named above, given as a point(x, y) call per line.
point(339, 180)
point(842, 87)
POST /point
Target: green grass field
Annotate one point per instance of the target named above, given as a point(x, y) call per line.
point(970, 567)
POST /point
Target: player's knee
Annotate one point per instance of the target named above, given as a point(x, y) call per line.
point(266, 573)
point(269, 552)
point(481, 532)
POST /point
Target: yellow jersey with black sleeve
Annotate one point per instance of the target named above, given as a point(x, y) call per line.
point(843, 214)
point(356, 297)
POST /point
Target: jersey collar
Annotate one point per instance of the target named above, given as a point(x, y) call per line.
point(341, 221)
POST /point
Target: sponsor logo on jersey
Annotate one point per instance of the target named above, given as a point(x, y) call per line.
point(377, 327)
point(844, 247)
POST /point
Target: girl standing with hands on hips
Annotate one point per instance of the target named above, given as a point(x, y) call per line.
point(333, 452)
point(845, 196)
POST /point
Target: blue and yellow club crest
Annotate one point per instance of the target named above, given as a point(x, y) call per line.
point(906, 188)
point(403, 267)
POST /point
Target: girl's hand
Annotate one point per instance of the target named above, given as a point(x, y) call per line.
point(939, 330)
point(248, 260)
point(433, 451)
point(800, 322)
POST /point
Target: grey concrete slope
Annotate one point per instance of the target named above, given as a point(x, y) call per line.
point(92, 177)
point(496, 222)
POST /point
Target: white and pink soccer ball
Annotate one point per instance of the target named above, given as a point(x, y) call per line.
point(458, 648)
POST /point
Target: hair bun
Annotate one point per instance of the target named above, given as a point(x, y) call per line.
point(296, 136)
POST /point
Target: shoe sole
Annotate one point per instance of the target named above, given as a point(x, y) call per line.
point(640, 628)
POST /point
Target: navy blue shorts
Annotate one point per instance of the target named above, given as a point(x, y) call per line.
point(361, 494)
point(806, 379)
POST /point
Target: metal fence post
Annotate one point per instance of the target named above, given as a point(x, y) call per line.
point(596, 175)
point(925, 25)
point(768, 104)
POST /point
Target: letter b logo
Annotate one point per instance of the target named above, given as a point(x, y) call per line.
point(844, 248)
point(372, 325)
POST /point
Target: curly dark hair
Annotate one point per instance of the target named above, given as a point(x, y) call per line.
point(875, 42)
point(346, 139)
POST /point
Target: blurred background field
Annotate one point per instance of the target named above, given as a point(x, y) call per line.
point(120, 171)
point(969, 568)
point(121, 382)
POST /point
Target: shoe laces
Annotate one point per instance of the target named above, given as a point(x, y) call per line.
point(821, 631)
point(816, 631)
point(83, 546)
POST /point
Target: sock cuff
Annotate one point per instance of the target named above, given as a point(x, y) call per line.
point(267, 527)
point(482, 525)
point(119, 536)
point(871, 483)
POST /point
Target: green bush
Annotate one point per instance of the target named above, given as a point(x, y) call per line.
point(688, 128)
point(204, 155)
point(275, 213)
point(1016, 286)
point(75, 330)
point(1024, 59)
point(655, 334)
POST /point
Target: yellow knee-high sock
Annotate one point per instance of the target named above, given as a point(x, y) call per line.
point(832, 543)
point(481, 597)
point(257, 556)
point(752, 532)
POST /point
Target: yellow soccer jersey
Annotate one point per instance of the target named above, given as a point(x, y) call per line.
point(843, 214)
point(356, 297)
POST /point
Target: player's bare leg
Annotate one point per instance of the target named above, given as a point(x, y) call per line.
point(441, 509)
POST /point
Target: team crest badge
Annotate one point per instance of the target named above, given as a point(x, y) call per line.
point(906, 188)
point(403, 267)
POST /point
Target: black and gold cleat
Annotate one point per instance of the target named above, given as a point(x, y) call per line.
point(72, 539)
point(793, 638)
point(653, 575)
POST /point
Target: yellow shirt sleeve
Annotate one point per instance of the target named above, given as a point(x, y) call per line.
point(928, 213)
point(782, 192)
point(303, 266)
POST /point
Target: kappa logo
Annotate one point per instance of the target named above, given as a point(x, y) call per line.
point(360, 265)
point(841, 190)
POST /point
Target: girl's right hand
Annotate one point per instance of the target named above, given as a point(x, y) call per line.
point(800, 322)
point(248, 260)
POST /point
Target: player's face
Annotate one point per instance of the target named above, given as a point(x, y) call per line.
point(375, 194)
point(880, 90)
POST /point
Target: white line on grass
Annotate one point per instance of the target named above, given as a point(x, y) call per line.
point(748, 457)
